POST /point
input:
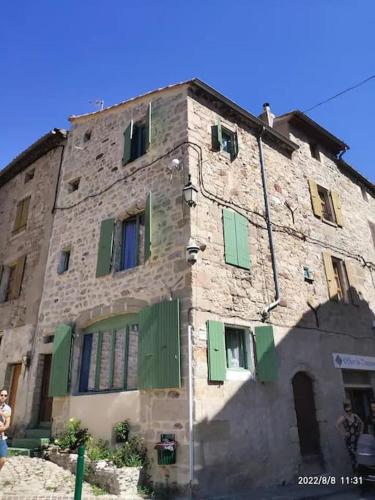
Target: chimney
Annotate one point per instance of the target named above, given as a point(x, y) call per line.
point(267, 116)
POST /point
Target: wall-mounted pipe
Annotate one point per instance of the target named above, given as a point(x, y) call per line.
point(275, 303)
point(191, 437)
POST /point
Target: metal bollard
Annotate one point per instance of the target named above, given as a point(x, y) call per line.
point(79, 473)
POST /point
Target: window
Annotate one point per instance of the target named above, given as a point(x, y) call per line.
point(372, 229)
point(364, 193)
point(224, 140)
point(87, 136)
point(235, 347)
point(73, 185)
point(22, 214)
point(29, 175)
point(64, 261)
point(314, 150)
point(11, 280)
point(132, 242)
point(326, 204)
point(236, 239)
point(109, 360)
point(137, 138)
point(337, 278)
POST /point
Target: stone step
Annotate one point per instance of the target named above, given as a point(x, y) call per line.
point(38, 433)
point(14, 452)
point(44, 425)
point(29, 443)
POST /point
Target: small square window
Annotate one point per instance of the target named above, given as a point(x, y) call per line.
point(87, 136)
point(132, 242)
point(328, 211)
point(308, 274)
point(235, 347)
point(64, 261)
point(224, 140)
point(74, 185)
point(29, 175)
point(314, 150)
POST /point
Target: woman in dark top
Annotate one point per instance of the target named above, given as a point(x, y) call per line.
point(351, 427)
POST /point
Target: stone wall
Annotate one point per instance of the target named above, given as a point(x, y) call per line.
point(246, 432)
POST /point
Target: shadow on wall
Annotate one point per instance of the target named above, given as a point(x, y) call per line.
point(256, 439)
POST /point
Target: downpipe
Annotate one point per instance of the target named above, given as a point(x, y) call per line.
point(266, 311)
point(191, 437)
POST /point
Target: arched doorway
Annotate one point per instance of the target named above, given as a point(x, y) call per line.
point(308, 427)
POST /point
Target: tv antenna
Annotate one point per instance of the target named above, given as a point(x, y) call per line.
point(99, 103)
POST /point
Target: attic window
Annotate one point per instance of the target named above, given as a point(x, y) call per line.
point(87, 136)
point(29, 175)
point(74, 185)
point(314, 150)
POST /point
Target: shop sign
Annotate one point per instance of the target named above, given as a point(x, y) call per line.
point(353, 362)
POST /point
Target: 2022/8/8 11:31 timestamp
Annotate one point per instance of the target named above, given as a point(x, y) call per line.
point(331, 480)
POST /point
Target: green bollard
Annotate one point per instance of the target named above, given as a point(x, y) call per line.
point(79, 473)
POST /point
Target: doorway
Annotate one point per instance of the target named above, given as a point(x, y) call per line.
point(359, 391)
point(45, 407)
point(307, 424)
point(15, 376)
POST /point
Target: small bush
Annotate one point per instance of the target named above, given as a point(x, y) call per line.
point(99, 450)
point(133, 453)
point(73, 436)
point(121, 431)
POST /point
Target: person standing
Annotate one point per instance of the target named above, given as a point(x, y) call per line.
point(5, 413)
point(351, 427)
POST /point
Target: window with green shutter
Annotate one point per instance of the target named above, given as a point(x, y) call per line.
point(61, 355)
point(236, 239)
point(159, 346)
point(224, 140)
point(265, 354)
point(105, 249)
point(137, 138)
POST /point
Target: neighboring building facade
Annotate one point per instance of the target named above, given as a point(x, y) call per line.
point(120, 291)
point(27, 192)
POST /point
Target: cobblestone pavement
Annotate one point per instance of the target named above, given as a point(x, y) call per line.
point(24, 478)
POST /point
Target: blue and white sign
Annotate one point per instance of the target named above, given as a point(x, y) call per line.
point(353, 362)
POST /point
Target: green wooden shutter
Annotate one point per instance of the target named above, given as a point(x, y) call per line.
point(159, 346)
point(60, 369)
point(242, 239)
point(148, 227)
point(336, 201)
point(148, 138)
point(234, 150)
point(266, 354)
point(315, 199)
point(216, 351)
point(128, 134)
point(104, 261)
point(230, 241)
point(217, 136)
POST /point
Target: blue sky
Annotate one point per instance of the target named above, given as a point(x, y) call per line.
point(56, 57)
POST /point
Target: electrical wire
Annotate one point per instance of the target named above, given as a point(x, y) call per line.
point(340, 93)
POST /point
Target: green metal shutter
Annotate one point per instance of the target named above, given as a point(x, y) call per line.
point(266, 354)
point(128, 134)
point(159, 346)
point(216, 351)
point(242, 239)
point(234, 150)
point(60, 369)
point(104, 262)
point(217, 136)
point(148, 138)
point(148, 227)
point(230, 242)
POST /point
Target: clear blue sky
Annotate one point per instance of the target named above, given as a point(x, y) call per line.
point(58, 56)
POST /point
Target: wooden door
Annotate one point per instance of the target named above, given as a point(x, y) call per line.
point(308, 427)
point(45, 409)
point(16, 372)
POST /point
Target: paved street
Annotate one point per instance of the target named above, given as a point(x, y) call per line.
point(25, 478)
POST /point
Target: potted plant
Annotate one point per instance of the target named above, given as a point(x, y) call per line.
point(121, 431)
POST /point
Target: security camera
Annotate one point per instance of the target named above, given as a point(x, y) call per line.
point(192, 250)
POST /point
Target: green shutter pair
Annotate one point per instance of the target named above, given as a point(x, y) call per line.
point(236, 239)
point(105, 249)
point(217, 140)
point(128, 136)
point(265, 352)
point(61, 355)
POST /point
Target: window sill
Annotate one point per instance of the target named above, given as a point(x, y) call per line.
point(329, 222)
point(101, 393)
point(238, 374)
point(123, 272)
point(17, 232)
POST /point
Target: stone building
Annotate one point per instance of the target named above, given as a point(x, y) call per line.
point(270, 274)
point(27, 193)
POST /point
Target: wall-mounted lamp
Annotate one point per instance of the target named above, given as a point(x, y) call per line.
point(190, 193)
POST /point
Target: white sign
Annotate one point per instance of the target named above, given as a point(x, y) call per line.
point(352, 362)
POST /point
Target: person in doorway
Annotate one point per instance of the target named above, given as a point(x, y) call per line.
point(370, 420)
point(5, 413)
point(351, 427)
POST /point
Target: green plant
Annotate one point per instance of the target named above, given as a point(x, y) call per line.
point(146, 491)
point(133, 453)
point(73, 436)
point(121, 431)
point(97, 491)
point(99, 450)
